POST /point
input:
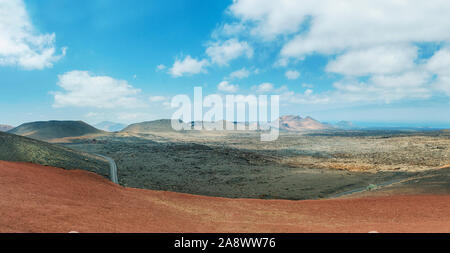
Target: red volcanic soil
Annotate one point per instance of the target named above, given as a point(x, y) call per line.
point(36, 198)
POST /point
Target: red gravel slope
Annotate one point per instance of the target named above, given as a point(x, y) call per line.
point(36, 198)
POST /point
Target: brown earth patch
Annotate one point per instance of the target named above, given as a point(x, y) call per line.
point(37, 198)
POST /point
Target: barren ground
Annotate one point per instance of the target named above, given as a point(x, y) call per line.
point(36, 198)
point(297, 166)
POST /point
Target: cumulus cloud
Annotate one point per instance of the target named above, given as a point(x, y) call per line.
point(372, 45)
point(93, 115)
point(292, 74)
point(82, 89)
point(240, 74)
point(188, 66)
point(439, 65)
point(227, 30)
point(20, 43)
point(380, 88)
point(375, 60)
point(338, 25)
point(341, 25)
point(222, 53)
point(272, 18)
point(265, 87)
point(387, 88)
point(157, 98)
point(376, 40)
point(160, 67)
point(227, 87)
point(134, 116)
point(308, 92)
point(290, 97)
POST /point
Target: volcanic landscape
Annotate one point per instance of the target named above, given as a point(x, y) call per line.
point(315, 178)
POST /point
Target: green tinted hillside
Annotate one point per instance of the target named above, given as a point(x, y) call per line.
point(47, 130)
point(21, 149)
point(149, 126)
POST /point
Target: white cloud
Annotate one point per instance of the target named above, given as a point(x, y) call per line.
point(20, 43)
point(188, 66)
point(134, 116)
point(378, 89)
point(93, 115)
point(384, 88)
point(265, 87)
point(240, 74)
point(157, 98)
point(288, 97)
point(338, 25)
point(372, 44)
point(308, 92)
point(82, 89)
point(292, 74)
point(375, 60)
point(222, 53)
point(282, 62)
point(227, 30)
point(341, 25)
point(160, 67)
point(372, 39)
point(272, 18)
point(439, 65)
point(227, 87)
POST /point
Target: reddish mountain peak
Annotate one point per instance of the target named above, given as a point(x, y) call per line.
point(297, 123)
point(290, 117)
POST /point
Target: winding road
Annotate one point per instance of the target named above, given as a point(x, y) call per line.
point(113, 170)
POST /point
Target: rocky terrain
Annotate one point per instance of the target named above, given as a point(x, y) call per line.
point(296, 166)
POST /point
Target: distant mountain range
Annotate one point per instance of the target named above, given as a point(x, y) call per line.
point(110, 126)
point(48, 130)
point(5, 128)
point(54, 130)
point(287, 123)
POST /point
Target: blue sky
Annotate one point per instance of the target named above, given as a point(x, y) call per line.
point(96, 60)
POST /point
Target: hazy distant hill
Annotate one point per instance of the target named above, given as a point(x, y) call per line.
point(48, 130)
point(110, 126)
point(164, 125)
point(5, 128)
point(21, 149)
point(297, 123)
point(150, 126)
point(345, 125)
point(287, 123)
